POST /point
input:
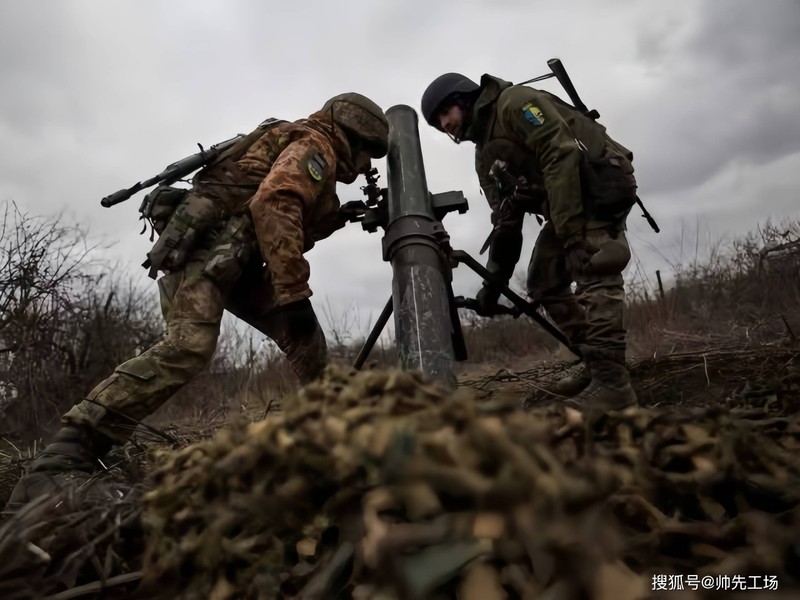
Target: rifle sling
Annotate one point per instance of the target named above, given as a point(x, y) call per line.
point(238, 150)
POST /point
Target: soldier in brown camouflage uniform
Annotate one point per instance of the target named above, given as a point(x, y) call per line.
point(269, 202)
point(580, 182)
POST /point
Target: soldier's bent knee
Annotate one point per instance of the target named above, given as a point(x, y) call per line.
point(191, 344)
point(613, 253)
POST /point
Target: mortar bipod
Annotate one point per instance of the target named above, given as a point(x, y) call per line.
point(527, 308)
point(457, 335)
point(521, 305)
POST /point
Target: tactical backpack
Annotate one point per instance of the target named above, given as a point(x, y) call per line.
point(181, 218)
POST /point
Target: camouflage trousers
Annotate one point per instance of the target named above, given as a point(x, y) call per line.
point(592, 316)
point(193, 304)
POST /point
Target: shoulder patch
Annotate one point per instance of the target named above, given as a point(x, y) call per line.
point(533, 114)
point(317, 166)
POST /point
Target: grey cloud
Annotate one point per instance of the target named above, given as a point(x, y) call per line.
point(746, 36)
point(98, 95)
point(728, 94)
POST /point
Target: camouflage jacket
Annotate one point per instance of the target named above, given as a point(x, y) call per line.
point(287, 181)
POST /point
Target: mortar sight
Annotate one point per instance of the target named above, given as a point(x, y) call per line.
point(373, 193)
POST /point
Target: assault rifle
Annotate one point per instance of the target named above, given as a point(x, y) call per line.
point(174, 172)
point(184, 167)
point(560, 73)
point(514, 191)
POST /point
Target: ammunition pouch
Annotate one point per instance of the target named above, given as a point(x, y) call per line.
point(233, 248)
point(609, 187)
point(160, 204)
point(193, 218)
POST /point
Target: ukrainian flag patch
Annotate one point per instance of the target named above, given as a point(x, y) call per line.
point(316, 166)
point(533, 114)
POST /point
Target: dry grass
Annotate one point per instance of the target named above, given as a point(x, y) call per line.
point(744, 293)
point(718, 351)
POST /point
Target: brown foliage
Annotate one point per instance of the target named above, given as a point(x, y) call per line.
point(379, 481)
point(744, 293)
point(66, 321)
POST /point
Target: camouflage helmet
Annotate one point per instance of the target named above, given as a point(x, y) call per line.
point(361, 117)
point(443, 88)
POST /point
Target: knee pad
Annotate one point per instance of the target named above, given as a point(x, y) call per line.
point(611, 258)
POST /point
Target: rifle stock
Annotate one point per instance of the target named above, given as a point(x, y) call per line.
point(558, 69)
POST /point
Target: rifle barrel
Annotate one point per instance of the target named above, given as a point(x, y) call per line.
point(173, 172)
point(121, 195)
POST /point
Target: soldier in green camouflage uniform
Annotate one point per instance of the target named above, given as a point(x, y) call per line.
point(267, 203)
point(580, 183)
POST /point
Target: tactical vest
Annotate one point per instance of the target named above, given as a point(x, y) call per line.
point(608, 186)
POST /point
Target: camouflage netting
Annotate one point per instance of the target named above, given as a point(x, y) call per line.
point(377, 485)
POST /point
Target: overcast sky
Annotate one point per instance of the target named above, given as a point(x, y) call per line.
point(97, 95)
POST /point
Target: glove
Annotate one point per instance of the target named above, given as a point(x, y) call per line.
point(579, 255)
point(300, 318)
point(529, 197)
point(508, 214)
point(350, 211)
point(347, 213)
point(487, 298)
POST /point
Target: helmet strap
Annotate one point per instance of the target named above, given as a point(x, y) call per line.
point(453, 138)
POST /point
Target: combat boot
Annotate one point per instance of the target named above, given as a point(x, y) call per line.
point(577, 377)
point(73, 450)
point(610, 387)
point(575, 381)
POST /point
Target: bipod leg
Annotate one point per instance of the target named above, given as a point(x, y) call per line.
point(526, 307)
point(459, 345)
point(373, 336)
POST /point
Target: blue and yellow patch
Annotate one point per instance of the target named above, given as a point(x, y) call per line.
point(316, 166)
point(533, 114)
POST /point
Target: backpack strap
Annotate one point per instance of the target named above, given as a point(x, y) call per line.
point(238, 150)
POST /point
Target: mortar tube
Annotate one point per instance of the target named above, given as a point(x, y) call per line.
point(423, 328)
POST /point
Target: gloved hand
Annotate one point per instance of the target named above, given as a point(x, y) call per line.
point(300, 318)
point(487, 298)
point(579, 255)
point(529, 197)
point(518, 196)
point(508, 214)
point(349, 211)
